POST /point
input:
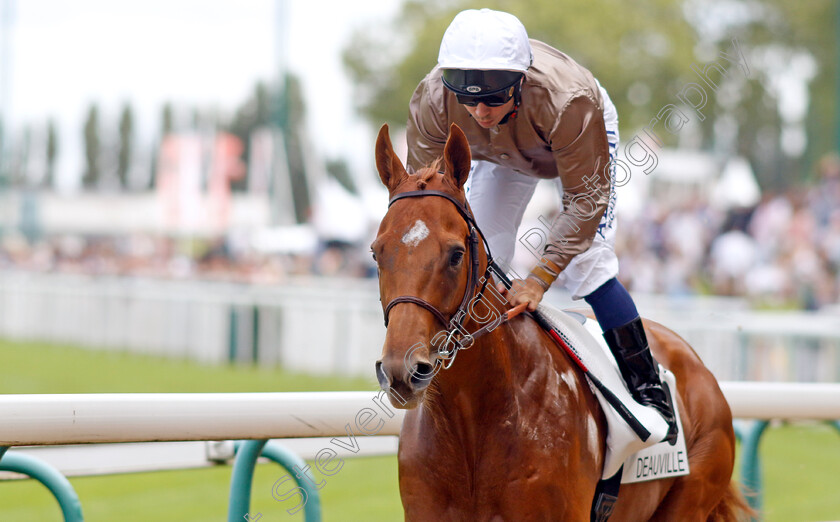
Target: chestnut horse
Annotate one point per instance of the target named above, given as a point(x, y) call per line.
point(511, 431)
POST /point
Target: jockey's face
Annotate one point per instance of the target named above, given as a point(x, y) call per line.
point(489, 116)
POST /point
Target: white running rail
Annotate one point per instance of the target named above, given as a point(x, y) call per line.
point(91, 418)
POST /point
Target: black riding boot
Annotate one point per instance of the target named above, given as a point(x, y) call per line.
point(629, 345)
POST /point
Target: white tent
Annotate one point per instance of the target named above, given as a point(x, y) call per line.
point(736, 186)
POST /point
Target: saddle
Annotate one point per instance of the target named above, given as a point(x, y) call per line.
point(635, 450)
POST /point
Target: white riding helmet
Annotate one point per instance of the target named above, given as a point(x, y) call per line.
point(484, 51)
point(485, 39)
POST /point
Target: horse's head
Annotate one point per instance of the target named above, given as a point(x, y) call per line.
point(423, 254)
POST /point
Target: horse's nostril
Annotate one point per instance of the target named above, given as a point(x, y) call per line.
point(422, 374)
point(384, 382)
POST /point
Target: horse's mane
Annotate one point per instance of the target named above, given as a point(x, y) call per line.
point(422, 176)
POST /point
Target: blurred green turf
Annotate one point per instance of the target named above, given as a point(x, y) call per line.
point(364, 490)
point(42, 368)
point(801, 462)
point(801, 473)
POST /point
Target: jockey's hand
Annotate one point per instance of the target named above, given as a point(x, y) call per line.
point(523, 291)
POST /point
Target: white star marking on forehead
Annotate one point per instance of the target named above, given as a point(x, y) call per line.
point(418, 233)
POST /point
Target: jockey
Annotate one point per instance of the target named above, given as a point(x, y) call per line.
point(530, 112)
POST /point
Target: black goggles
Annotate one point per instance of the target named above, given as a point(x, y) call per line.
point(471, 87)
point(491, 100)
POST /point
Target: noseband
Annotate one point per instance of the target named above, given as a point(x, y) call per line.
point(456, 336)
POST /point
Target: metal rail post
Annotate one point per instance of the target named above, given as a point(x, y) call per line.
point(289, 460)
point(57, 483)
point(247, 453)
point(751, 463)
point(242, 479)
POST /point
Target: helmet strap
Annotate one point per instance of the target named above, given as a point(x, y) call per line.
point(517, 99)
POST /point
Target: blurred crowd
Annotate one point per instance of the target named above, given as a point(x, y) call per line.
point(144, 256)
point(782, 253)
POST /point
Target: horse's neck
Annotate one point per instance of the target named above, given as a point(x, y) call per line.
point(484, 378)
point(512, 386)
point(465, 402)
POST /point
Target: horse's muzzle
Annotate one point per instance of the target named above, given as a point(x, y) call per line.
point(404, 382)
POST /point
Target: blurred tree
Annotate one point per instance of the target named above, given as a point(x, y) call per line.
point(256, 112)
point(340, 170)
point(126, 139)
point(167, 120)
point(92, 148)
point(4, 159)
point(20, 163)
point(167, 126)
point(195, 118)
point(294, 116)
point(284, 107)
point(642, 54)
point(635, 52)
point(784, 40)
point(52, 153)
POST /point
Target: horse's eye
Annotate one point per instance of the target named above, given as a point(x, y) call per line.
point(456, 258)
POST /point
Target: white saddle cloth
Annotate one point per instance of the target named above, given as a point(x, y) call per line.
point(642, 460)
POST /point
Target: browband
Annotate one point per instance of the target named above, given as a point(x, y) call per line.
point(462, 208)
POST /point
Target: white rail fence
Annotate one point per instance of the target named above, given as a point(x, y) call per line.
point(120, 418)
point(335, 326)
point(313, 325)
point(147, 417)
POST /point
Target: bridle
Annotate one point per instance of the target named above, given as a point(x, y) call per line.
point(456, 337)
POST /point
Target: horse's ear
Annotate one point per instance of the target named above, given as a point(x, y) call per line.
point(390, 168)
point(456, 156)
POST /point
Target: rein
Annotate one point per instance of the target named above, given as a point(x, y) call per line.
point(456, 336)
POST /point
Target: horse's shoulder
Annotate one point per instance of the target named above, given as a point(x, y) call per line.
point(548, 369)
